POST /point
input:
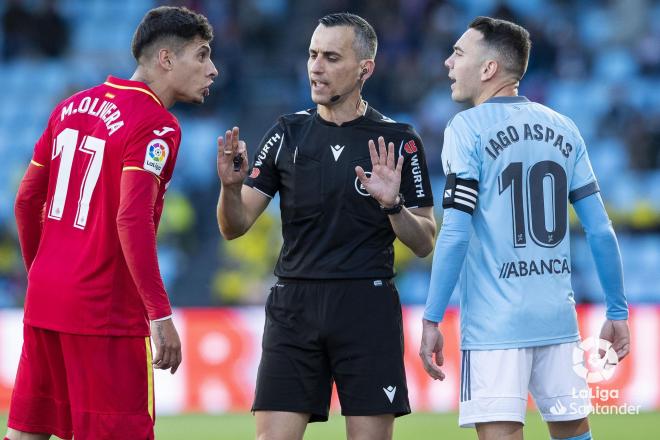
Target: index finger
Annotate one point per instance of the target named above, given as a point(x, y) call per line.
point(372, 153)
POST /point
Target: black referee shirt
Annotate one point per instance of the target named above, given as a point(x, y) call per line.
point(332, 227)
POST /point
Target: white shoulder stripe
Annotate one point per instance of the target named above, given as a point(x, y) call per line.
point(279, 148)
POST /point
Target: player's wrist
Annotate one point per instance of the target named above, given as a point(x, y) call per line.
point(429, 323)
point(395, 207)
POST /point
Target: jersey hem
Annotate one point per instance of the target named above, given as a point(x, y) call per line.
point(521, 344)
point(71, 331)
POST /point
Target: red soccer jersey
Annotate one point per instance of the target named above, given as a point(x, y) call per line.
point(80, 280)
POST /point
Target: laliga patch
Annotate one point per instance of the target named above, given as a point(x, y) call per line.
point(255, 173)
point(156, 156)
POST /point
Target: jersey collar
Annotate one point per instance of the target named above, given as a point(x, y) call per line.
point(506, 100)
point(365, 115)
point(126, 84)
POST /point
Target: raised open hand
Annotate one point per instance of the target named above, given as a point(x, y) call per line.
point(228, 148)
point(385, 179)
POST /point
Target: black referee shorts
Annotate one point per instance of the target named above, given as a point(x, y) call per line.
point(349, 331)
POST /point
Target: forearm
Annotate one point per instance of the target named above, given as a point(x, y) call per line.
point(28, 210)
point(605, 250)
point(450, 251)
point(415, 231)
point(137, 236)
point(231, 212)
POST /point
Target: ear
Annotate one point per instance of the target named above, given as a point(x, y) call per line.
point(488, 69)
point(166, 59)
point(366, 70)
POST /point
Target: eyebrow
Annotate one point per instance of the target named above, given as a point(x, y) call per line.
point(328, 53)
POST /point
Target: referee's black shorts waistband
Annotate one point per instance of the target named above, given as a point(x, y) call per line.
point(388, 281)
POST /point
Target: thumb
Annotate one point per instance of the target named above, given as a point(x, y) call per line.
point(361, 174)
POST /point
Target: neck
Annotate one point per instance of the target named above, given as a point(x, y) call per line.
point(344, 110)
point(506, 89)
point(157, 86)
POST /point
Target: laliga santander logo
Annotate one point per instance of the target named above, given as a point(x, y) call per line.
point(588, 363)
point(157, 151)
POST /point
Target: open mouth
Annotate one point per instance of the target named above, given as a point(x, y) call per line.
point(318, 84)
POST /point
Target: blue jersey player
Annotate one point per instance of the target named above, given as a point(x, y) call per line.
point(512, 167)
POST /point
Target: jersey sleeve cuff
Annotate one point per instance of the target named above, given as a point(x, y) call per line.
point(165, 318)
point(437, 318)
point(619, 315)
point(252, 184)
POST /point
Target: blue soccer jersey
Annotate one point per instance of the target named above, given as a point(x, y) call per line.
point(515, 165)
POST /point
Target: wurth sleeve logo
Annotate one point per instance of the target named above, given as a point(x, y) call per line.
point(410, 147)
point(266, 148)
point(417, 175)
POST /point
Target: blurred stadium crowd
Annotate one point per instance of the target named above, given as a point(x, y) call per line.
point(595, 61)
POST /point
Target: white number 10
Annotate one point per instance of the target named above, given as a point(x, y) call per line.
point(65, 146)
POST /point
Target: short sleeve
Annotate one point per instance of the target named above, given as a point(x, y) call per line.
point(264, 176)
point(583, 181)
point(153, 147)
point(415, 180)
point(459, 153)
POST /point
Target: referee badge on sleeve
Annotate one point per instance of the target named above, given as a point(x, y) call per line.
point(460, 194)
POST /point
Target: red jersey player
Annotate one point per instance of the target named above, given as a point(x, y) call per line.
point(87, 211)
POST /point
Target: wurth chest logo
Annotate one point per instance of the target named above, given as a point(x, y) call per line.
point(336, 151)
point(266, 148)
point(417, 176)
point(517, 269)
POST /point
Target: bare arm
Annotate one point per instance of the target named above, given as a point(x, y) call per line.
point(415, 227)
point(238, 204)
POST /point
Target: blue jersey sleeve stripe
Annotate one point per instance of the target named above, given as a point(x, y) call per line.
point(584, 191)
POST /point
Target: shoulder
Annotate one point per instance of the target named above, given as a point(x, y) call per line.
point(557, 119)
point(377, 120)
point(297, 118)
point(465, 122)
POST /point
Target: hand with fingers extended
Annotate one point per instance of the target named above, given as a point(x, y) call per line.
point(618, 334)
point(432, 343)
point(385, 179)
point(168, 345)
point(230, 148)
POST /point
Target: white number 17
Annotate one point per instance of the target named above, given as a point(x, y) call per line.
point(65, 146)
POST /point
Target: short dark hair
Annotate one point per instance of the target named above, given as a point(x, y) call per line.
point(366, 42)
point(174, 22)
point(510, 40)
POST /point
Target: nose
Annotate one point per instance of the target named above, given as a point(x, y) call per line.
point(449, 62)
point(316, 65)
point(214, 71)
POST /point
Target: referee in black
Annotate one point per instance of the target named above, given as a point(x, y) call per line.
point(334, 313)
